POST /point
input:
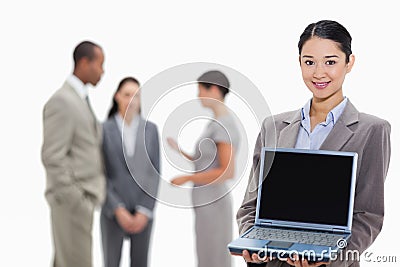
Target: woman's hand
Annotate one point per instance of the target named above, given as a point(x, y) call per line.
point(172, 143)
point(180, 180)
point(254, 258)
point(125, 219)
point(140, 222)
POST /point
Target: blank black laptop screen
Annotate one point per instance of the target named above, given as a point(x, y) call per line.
point(308, 188)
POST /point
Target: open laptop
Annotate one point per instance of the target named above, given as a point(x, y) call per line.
point(304, 205)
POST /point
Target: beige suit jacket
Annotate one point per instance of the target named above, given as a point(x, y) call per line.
point(71, 151)
point(367, 135)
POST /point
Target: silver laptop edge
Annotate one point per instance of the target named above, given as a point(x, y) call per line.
point(298, 225)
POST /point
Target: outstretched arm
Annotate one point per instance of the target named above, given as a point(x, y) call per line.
point(225, 170)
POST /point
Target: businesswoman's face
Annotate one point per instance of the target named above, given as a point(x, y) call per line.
point(324, 68)
point(209, 97)
point(130, 90)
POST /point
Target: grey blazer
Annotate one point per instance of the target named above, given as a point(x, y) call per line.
point(365, 134)
point(71, 150)
point(138, 184)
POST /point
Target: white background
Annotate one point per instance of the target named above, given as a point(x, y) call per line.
point(258, 39)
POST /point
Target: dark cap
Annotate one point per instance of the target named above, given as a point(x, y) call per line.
point(214, 77)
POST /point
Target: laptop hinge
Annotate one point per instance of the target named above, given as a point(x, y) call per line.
point(264, 224)
point(338, 230)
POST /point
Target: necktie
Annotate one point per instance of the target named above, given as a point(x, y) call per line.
point(91, 111)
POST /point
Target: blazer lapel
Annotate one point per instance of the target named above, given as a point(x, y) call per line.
point(341, 133)
point(81, 103)
point(116, 137)
point(136, 163)
point(288, 135)
point(140, 149)
point(83, 108)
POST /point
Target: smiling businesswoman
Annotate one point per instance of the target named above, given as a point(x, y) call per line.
point(328, 121)
point(132, 161)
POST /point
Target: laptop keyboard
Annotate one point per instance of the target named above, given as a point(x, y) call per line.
point(305, 237)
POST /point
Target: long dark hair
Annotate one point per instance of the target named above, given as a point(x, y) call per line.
point(114, 106)
point(328, 29)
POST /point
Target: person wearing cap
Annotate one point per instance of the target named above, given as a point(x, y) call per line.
point(214, 165)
